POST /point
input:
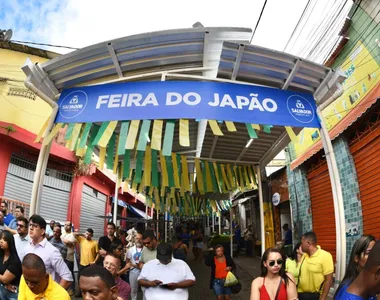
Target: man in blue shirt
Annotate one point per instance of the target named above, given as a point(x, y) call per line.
point(8, 217)
point(288, 235)
point(367, 284)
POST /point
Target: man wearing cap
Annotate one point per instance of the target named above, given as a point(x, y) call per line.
point(166, 277)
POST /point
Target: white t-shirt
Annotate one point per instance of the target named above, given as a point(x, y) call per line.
point(227, 224)
point(176, 271)
point(134, 255)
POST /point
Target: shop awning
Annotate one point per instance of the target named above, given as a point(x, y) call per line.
point(138, 212)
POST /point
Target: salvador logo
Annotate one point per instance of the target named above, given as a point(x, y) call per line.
point(73, 104)
point(300, 109)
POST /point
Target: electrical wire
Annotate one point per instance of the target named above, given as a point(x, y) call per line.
point(19, 108)
point(258, 21)
point(327, 30)
point(354, 43)
point(42, 44)
point(298, 23)
point(355, 11)
point(315, 31)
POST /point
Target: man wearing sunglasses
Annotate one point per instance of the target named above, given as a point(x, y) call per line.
point(150, 244)
point(50, 255)
point(22, 237)
point(316, 271)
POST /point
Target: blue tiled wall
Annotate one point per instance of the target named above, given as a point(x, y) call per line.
point(299, 198)
point(350, 190)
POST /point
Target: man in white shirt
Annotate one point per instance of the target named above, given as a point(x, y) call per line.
point(133, 257)
point(50, 255)
point(166, 277)
point(22, 237)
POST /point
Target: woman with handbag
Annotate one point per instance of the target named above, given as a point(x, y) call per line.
point(274, 283)
point(220, 266)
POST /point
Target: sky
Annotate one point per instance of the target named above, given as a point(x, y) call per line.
point(80, 23)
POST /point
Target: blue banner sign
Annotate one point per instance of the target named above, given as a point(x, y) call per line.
point(187, 100)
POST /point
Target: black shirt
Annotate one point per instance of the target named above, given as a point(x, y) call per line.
point(105, 243)
point(13, 265)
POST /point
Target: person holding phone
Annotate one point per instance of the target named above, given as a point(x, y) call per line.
point(166, 277)
point(220, 265)
point(274, 282)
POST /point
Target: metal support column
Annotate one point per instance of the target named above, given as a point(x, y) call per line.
point(114, 215)
point(261, 202)
point(213, 222)
point(157, 224)
point(146, 216)
point(338, 200)
point(231, 235)
point(220, 222)
point(166, 226)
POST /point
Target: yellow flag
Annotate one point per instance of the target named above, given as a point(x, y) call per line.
point(102, 156)
point(184, 138)
point(142, 185)
point(81, 152)
point(208, 178)
point(107, 134)
point(291, 134)
point(175, 170)
point(218, 180)
point(148, 166)
point(255, 126)
point(52, 133)
point(199, 176)
point(42, 130)
point(225, 179)
point(74, 136)
point(157, 199)
point(164, 171)
point(230, 126)
point(215, 127)
point(116, 159)
point(157, 134)
point(185, 174)
point(230, 177)
point(132, 134)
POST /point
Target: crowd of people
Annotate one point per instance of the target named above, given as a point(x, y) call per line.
point(37, 262)
point(308, 272)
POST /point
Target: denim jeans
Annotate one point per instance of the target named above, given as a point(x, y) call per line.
point(219, 287)
point(6, 294)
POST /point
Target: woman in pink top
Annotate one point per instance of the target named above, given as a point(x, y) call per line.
point(274, 283)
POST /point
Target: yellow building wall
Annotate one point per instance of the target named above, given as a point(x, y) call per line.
point(363, 74)
point(21, 111)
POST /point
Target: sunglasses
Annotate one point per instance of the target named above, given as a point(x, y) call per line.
point(273, 262)
point(20, 225)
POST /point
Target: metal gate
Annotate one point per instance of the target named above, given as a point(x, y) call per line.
point(55, 193)
point(93, 204)
point(322, 207)
point(365, 151)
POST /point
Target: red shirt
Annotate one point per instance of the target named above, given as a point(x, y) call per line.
point(220, 268)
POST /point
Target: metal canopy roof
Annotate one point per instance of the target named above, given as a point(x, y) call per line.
point(142, 54)
point(211, 54)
